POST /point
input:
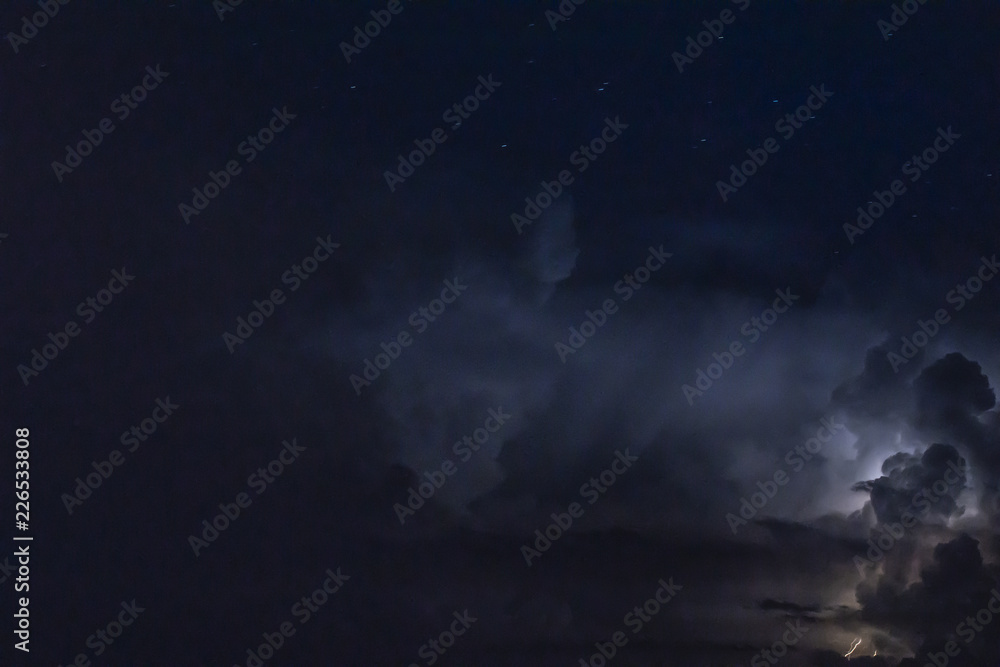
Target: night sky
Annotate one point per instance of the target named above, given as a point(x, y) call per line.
point(483, 333)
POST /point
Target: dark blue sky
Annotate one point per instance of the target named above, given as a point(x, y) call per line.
point(709, 391)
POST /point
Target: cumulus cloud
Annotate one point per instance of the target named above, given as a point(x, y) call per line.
point(494, 346)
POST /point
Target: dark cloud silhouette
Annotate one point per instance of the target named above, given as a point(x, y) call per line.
point(781, 605)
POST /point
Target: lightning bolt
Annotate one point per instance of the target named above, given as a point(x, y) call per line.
point(857, 642)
